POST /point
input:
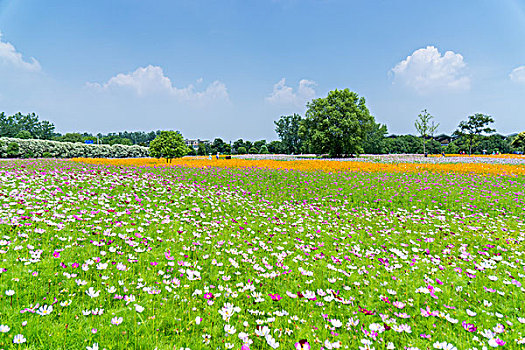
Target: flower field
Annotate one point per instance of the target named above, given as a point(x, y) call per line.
point(133, 254)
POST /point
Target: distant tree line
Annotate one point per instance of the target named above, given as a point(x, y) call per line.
point(29, 126)
point(338, 125)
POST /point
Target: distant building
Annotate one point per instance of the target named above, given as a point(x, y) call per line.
point(443, 139)
point(195, 143)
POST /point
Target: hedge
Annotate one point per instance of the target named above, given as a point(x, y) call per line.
point(56, 149)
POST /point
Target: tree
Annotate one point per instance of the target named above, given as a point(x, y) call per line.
point(241, 150)
point(275, 147)
point(24, 134)
point(425, 128)
point(71, 137)
point(287, 127)
point(218, 145)
point(336, 124)
point(375, 140)
point(169, 145)
point(264, 150)
point(473, 127)
point(13, 150)
point(201, 149)
point(519, 141)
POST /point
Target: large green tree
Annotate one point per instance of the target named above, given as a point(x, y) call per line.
point(337, 124)
point(169, 145)
point(287, 127)
point(425, 127)
point(473, 127)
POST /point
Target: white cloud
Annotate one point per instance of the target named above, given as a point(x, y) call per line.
point(283, 95)
point(9, 56)
point(518, 74)
point(151, 80)
point(426, 70)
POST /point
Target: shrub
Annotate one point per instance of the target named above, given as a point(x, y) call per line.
point(241, 150)
point(253, 150)
point(13, 150)
point(56, 149)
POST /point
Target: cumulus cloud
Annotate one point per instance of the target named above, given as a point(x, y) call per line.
point(518, 74)
point(12, 58)
point(426, 70)
point(151, 80)
point(283, 95)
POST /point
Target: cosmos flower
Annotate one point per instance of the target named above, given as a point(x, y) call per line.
point(19, 339)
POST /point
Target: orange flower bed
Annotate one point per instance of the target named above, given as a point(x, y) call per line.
point(315, 165)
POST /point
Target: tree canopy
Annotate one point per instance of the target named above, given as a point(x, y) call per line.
point(287, 127)
point(519, 141)
point(473, 127)
point(337, 124)
point(169, 145)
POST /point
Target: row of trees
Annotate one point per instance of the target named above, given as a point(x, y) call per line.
point(341, 125)
point(29, 126)
point(337, 125)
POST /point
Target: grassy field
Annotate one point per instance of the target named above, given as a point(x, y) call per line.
point(127, 256)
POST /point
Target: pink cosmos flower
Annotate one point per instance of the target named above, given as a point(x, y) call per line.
point(469, 327)
point(302, 345)
point(275, 297)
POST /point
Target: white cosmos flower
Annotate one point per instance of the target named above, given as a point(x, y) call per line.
point(271, 341)
point(9, 292)
point(139, 308)
point(94, 347)
point(470, 313)
point(262, 332)
point(19, 339)
point(4, 328)
point(229, 329)
point(336, 323)
point(117, 320)
point(91, 292)
point(45, 310)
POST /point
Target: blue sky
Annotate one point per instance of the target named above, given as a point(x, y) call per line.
point(230, 68)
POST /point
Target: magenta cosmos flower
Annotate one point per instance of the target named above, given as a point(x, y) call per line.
point(302, 345)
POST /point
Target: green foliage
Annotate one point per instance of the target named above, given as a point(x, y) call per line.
point(71, 137)
point(13, 150)
point(253, 150)
point(493, 143)
point(404, 144)
point(218, 145)
point(337, 124)
point(241, 150)
point(519, 141)
point(24, 134)
point(472, 128)
point(375, 142)
point(169, 145)
point(425, 128)
point(12, 126)
point(201, 149)
point(287, 127)
point(275, 147)
point(264, 150)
